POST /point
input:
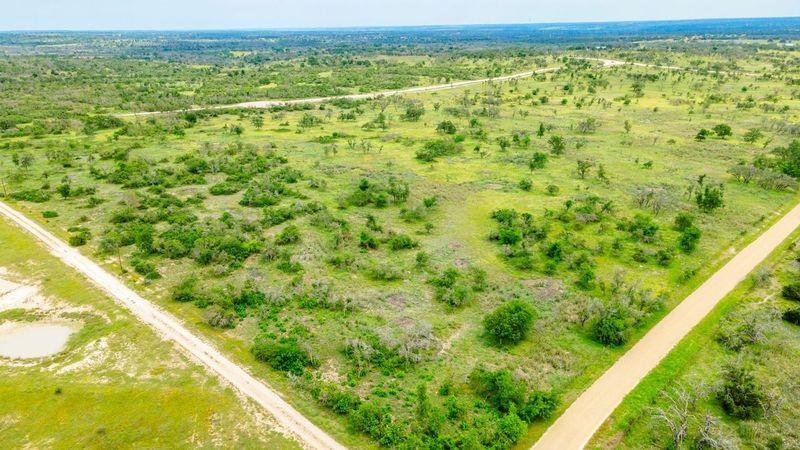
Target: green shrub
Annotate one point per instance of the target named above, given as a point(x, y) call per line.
point(402, 242)
point(510, 322)
point(792, 316)
point(611, 326)
point(438, 148)
point(289, 235)
point(186, 290)
point(285, 355)
point(791, 291)
point(540, 405)
point(689, 238)
point(49, 214)
point(225, 188)
point(31, 195)
point(498, 388)
point(740, 394)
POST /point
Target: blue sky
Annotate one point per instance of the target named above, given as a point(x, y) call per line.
point(228, 14)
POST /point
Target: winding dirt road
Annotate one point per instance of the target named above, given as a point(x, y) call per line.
point(171, 329)
point(262, 104)
point(576, 426)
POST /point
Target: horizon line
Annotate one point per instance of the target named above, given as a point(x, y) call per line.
point(381, 27)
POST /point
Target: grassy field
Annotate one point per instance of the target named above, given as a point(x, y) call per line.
point(361, 242)
point(771, 349)
point(115, 384)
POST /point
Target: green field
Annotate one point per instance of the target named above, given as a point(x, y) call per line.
point(351, 252)
point(115, 384)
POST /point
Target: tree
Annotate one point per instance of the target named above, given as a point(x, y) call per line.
point(538, 161)
point(792, 316)
point(689, 238)
point(611, 326)
point(752, 135)
point(583, 167)
point(446, 127)
point(681, 405)
point(504, 143)
point(557, 145)
point(257, 121)
point(510, 322)
point(740, 395)
point(722, 130)
point(710, 197)
point(414, 111)
point(791, 291)
point(787, 159)
point(702, 135)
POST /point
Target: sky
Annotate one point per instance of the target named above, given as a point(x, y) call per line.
point(250, 14)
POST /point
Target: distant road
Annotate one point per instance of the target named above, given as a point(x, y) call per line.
point(576, 426)
point(264, 104)
point(171, 328)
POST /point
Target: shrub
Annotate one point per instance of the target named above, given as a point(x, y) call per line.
point(740, 394)
point(225, 188)
point(446, 127)
point(498, 388)
point(220, 317)
point(540, 405)
point(791, 291)
point(689, 238)
point(450, 288)
point(49, 214)
point(402, 242)
point(285, 355)
point(438, 148)
point(31, 195)
point(371, 419)
point(79, 238)
point(792, 316)
point(289, 235)
point(643, 228)
point(611, 326)
point(186, 290)
point(510, 322)
point(145, 268)
point(538, 161)
point(683, 221)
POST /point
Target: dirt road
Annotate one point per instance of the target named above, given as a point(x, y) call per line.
point(262, 104)
point(582, 419)
point(170, 328)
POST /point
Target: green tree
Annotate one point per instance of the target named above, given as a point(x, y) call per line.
point(510, 322)
point(723, 130)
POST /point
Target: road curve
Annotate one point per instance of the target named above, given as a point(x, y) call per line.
point(576, 426)
point(170, 328)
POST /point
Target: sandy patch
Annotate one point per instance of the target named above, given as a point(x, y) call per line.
point(29, 340)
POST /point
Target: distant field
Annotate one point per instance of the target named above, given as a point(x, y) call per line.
point(115, 384)
point(441, 269)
